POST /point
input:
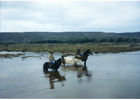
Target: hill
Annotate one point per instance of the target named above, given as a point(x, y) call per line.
point(26, 37)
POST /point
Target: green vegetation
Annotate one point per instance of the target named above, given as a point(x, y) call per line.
point(69, 42)
point(104, 47)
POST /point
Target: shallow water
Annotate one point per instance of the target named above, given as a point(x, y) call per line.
point(106, 76)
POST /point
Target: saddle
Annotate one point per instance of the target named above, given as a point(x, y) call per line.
point(78, 57)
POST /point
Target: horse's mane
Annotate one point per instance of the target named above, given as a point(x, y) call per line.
point(59, 59)
point(57, 63)
point(86, 51)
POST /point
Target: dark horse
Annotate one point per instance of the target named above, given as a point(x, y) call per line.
point(85, 56)
point(53, 66)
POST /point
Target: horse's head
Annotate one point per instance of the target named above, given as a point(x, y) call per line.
point(88, 52)
point(62, 60)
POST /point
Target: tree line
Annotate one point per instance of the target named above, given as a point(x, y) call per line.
point(93, 40)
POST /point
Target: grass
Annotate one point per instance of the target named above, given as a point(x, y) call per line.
point(72, 48)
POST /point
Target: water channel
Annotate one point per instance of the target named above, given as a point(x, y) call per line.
point(111, 75)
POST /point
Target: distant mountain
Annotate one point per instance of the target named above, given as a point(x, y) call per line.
point(24, 37)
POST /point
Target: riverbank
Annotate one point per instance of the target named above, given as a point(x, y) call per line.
point(72, 48)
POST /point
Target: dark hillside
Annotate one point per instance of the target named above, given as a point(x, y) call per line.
point(129, 35)
point(26, 37)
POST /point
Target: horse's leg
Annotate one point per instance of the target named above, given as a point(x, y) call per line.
point(53, 66)
point(85, 63)
point(73, 64)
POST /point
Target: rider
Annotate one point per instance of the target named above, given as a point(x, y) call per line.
point(79, 51)
point(51, 57)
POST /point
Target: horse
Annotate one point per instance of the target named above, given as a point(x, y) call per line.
point(72, 61)
point(85, 56)
point(53, 66)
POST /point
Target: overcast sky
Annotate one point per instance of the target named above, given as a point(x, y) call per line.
point(106, 16)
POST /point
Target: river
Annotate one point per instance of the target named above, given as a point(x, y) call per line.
point(110, 75)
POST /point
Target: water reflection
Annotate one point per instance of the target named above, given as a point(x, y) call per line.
point(84, 73)
point(54, 76)
point(72, 68)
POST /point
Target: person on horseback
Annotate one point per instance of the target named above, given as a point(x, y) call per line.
point(79, 52)
point(51, 57)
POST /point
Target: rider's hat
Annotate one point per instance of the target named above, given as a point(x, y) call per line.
point(51, 52)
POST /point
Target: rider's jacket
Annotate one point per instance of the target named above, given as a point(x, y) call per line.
point(79, 51)
point(51, 57)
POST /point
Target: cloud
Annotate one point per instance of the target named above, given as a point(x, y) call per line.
point(108, 16)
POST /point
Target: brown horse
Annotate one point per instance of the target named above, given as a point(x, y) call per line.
point(85, 56)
